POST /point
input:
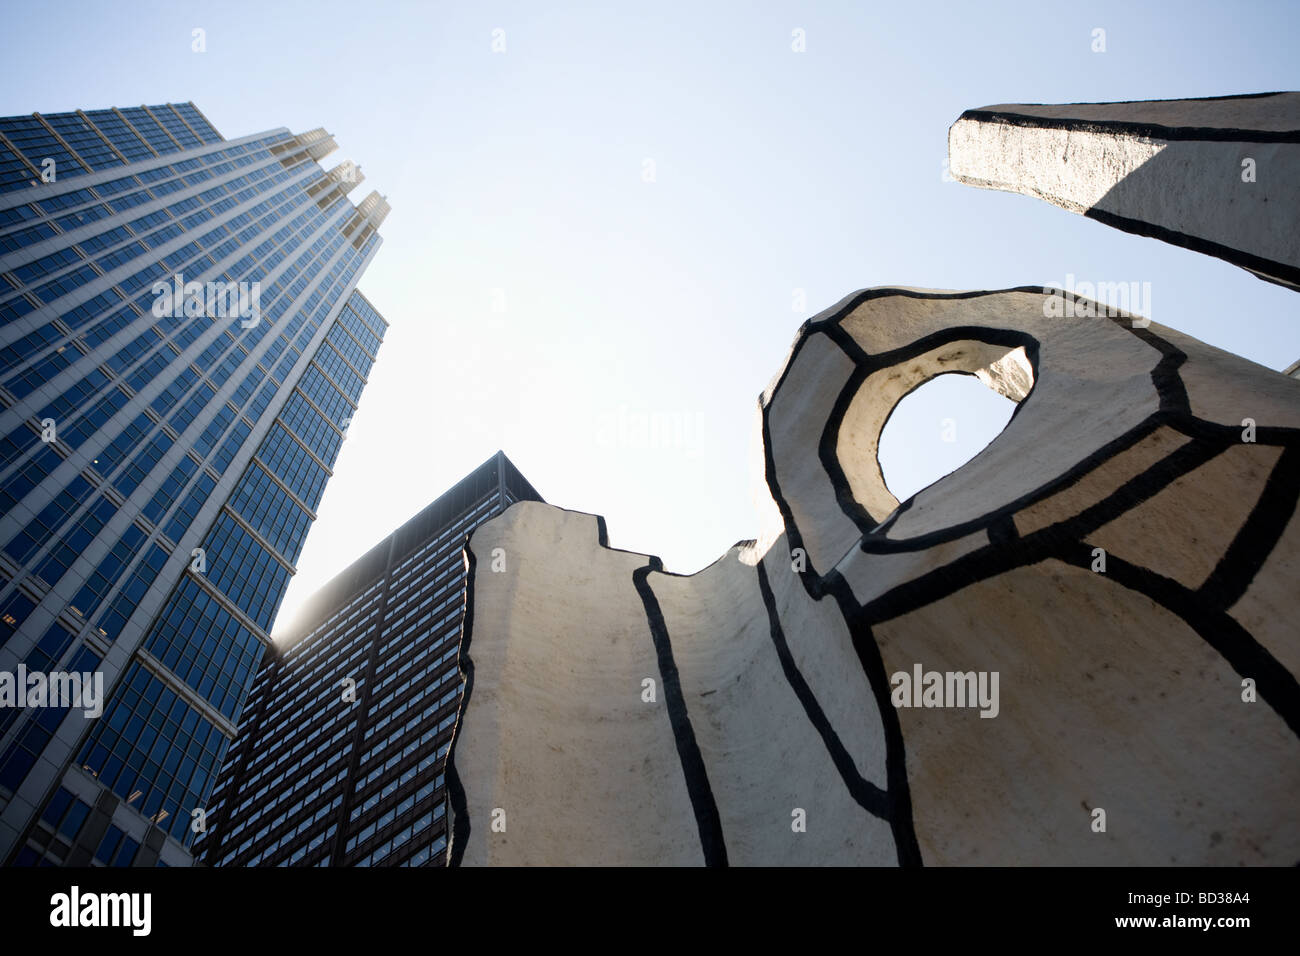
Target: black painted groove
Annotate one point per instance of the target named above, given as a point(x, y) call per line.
point(1259, 534)
point(1203, 430)
point(897, 786)
point(1002, 530)
point(1138, 489)
point(864, 645)
point(1274, 683)
point(871, 798)
point(887, 292)
point(460, 828)
point(1168, 383)
point(884, 526)
point(992, 560)
point(455, 788)
point(1172, 134)
point(880, 544)
point(1011, 338)
point(1270, 268)
point(705, 807)
point(828, 444)
point(1212, 623)
point(810, 577)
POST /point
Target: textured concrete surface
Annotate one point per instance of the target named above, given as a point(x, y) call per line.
point(1219, 176)
point(746, 714)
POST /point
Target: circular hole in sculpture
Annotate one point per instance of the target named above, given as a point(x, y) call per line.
point(937, 428)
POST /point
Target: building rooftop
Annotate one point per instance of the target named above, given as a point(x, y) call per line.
point(397, 545)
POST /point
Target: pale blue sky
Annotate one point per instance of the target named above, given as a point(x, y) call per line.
point(775, 171)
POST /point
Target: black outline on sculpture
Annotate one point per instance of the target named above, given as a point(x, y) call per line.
point(1270, 270)
point(696, 774)
point(459, 828)
point(872, 799)
point(1222, 134)
point(1205, 610)
point(712, 843)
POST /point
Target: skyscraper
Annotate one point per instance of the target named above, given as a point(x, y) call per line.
point(182, 348)
point(339, 759)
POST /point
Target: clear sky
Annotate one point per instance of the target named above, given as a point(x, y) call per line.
point(546, 299)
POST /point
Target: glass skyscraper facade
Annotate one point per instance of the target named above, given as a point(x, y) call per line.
point(182, 348)
point(340, 756)
point(71, 145)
